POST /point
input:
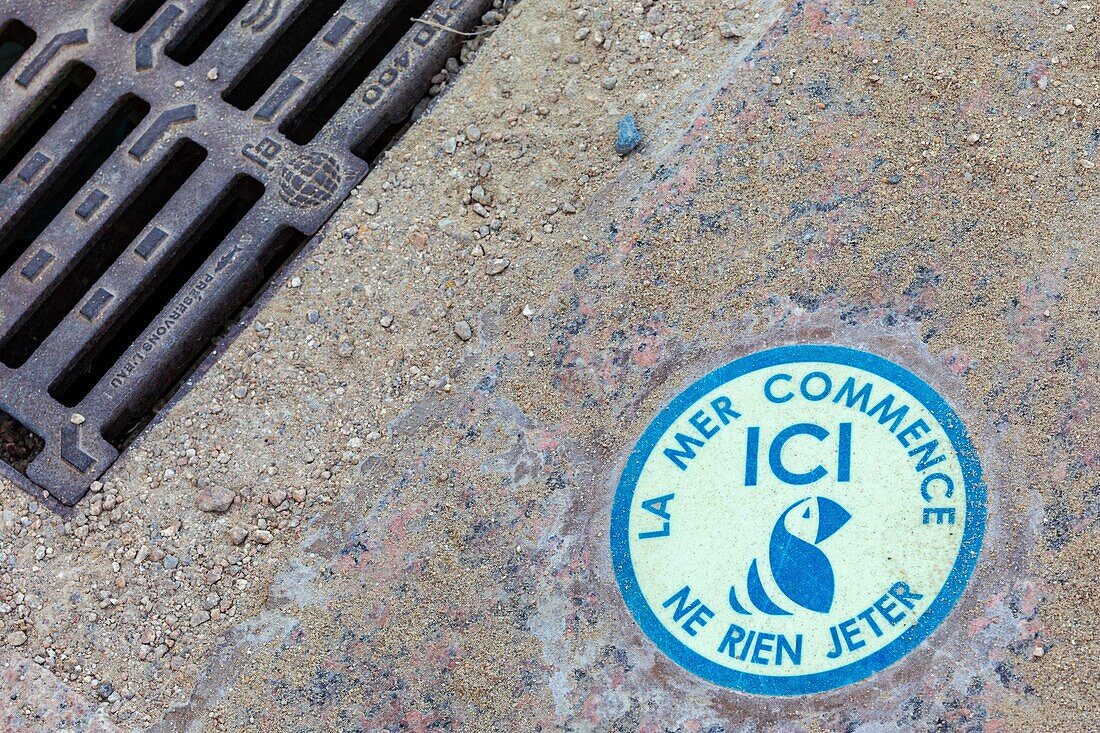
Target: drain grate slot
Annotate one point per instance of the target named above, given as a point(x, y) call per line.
point(242, 194)
point(109, 242)
point(25, 134)
point(212, 20)
point(285, 244)
point(131, 16)
point(144, 213)
point(18, 445)
point(95, 149)
point(321, 106)
point(15, 39)
point(270, 64)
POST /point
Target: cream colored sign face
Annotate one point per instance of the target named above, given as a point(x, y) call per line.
point(798, 520)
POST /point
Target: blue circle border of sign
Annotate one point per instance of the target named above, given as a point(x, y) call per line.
point(952, 590)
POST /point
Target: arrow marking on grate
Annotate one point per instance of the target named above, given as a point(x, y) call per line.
point(156, 130)
point(58, 42)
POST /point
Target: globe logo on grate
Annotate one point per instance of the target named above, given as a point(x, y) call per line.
point(310, 180)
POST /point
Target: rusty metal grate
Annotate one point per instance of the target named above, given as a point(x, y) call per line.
point(159, 160)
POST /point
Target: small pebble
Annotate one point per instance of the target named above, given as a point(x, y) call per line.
point(216, 499)
point(730, 30)
point(628, 137)
point(496, 266)
point(463, 330)
point(609, 82)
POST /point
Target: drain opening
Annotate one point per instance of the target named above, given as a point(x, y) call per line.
point(18, 445)
point(214, 18)
point(286, 243)
point(26, 133)
point(269, 64)
point(15, 39)
point(321, 106)
point(120, 366)
point(52, 197)
point(85, 370)
point(107, 244)
point(132, 16)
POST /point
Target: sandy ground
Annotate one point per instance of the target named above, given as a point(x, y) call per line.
point(422, 429)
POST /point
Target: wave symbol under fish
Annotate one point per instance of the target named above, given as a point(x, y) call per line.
point(801, 571)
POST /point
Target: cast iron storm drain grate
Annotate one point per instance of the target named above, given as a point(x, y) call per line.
point(159, 161)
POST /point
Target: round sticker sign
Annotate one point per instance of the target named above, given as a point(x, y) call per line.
point(797, 520)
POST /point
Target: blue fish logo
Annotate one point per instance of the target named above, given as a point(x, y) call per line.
point(799, 568)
